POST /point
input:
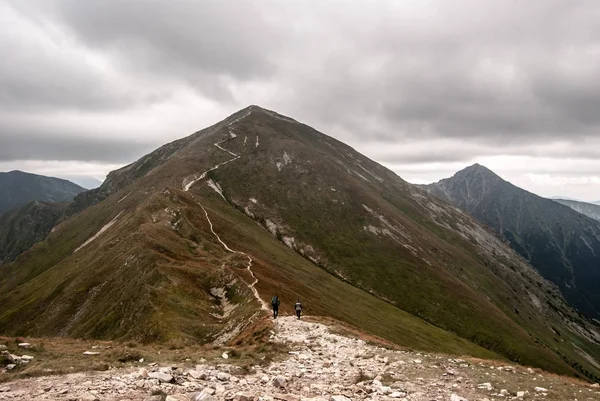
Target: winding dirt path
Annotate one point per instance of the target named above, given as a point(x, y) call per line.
point(252, 286)
point(190, 181)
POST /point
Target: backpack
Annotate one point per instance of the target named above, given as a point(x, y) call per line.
point(275, 301)
point(298, 306)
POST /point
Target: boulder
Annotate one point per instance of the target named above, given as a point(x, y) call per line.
point(280, 382)
point(485, 386)
point(222, 376)
point(24, 345)
point(162, 377)
point(197, 375)
point(202, 396)
point(385, 389)
point(244, 397)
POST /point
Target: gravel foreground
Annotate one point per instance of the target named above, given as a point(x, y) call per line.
point(321, 366)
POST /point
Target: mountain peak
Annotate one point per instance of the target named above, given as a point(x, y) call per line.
point(477, 168)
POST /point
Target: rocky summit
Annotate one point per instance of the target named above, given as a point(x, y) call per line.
point(320, 365)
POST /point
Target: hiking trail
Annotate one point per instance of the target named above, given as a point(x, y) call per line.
point(188, 184)
point(318, 364)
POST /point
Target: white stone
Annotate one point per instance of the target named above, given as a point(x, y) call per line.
point(162, 377)
point(485, 386)
point(24, 345)
point(243, 397)
point(223, 376)
point(385, 390)
point(455, 397)
point(540, 390)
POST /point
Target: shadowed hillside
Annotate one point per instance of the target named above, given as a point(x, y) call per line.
point(561, 243)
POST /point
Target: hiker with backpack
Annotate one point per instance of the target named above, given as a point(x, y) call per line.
point(298, 308)
point(275, 304)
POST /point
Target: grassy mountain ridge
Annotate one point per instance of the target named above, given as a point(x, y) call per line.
point(319, 221)
point(18, 188)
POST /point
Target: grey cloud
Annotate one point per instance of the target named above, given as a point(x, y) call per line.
point(42, 70)
point(503, 77)
point(203, 43)
point(26, 146)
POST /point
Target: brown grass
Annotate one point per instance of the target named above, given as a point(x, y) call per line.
point(55, 356)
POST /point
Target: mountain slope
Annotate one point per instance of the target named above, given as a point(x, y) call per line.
point(589, 209)
point(21, 228)
point(174, 245)
point(562, 244)
point(18, 188)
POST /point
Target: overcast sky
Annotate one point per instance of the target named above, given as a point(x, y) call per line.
point(423, 87)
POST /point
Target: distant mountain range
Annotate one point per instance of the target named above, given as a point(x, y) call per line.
point(561, 243)
point(18, 188)
point(189, 242)
point(83, 181)
point(589, 209)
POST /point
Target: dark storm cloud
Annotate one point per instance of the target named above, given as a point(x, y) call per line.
point(500, 75)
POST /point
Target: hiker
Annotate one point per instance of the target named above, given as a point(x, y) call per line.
point(298, 308)
point(275, 304)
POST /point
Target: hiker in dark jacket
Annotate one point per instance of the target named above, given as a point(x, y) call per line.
point(275, 304)
point(298, 308)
